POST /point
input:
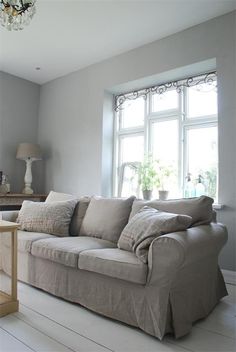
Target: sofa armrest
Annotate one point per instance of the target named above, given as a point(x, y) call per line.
point(168, 253)
point(10, 215)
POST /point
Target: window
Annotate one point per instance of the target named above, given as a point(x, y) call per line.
point(177, 125)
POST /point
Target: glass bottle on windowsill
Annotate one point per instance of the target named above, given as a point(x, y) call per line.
point(200, 188)
point(189, 187)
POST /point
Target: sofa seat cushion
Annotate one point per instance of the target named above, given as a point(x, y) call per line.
point(114, 262)
point(25, 239)
point(66, 250)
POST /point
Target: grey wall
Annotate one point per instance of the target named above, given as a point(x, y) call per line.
point(19, 100)
point(72, 113)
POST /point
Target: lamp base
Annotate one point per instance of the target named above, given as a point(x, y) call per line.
point(28, 177)
point(27, 190)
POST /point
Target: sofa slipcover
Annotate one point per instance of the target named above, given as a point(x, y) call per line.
point(66, 250)
point(114, 262)
point(183, 282)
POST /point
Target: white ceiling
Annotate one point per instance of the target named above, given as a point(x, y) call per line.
point(65, 36)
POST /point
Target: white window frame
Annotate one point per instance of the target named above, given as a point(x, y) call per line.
point(184, 124)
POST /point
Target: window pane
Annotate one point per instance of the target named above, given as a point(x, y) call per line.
point(132, 114)
point(202, 101)
point(202, 159)
point(165, 101)
point(130, 185)
point(165, 149)
point(131, 149)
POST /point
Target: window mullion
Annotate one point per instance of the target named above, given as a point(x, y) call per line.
point(146, 126)
point(182, 105)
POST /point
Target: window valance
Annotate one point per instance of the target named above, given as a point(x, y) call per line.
point(201, 82)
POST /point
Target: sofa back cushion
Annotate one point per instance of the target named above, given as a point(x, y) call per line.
point(58, 197)
point(106, 217)
point(79, 212)
point(200, 208)
point(78, 216)
point(148, 224)
point(53, 218)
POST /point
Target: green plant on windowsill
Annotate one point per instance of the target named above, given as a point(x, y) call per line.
point(164, 174)
point(148, 177)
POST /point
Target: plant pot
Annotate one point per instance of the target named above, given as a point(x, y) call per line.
point(163, 195)
point(147, 194)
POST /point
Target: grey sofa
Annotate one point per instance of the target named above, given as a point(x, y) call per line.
point(180, 284)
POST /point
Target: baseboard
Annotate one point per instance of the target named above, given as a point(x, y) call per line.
point(229, 276)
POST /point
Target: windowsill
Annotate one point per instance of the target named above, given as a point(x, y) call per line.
point(217, 206)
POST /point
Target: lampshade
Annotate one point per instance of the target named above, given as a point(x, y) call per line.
point(28, 150)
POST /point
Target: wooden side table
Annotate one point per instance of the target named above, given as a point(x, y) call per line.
point(9, 302)
point(13, 201)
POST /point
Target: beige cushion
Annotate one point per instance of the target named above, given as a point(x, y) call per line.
point(148, 224)
point(79, 211)
point(25, 239)
point(66, 250)
point(200, 209)
point(78, 216)
point(115, 263)
point(106, 217)
point(58, 197)
point(52, 218)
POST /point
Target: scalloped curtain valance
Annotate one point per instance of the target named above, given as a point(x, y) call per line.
point(209, 78)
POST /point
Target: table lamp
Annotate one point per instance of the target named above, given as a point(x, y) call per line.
point(28, 152)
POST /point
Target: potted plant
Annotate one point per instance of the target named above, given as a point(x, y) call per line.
point(147, 177)
point(164, 174)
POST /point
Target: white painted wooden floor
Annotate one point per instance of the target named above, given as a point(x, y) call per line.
point(45, 323)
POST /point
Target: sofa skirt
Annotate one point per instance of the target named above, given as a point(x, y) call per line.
point(150, 308)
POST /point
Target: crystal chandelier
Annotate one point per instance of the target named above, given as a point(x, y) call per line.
point(16, 14)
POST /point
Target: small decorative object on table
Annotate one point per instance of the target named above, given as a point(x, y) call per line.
point(4, 184)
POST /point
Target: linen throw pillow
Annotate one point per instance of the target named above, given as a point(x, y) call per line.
point(199, 208)
point(106, 217)
point(79, 211)
point(52, 218)
point(148, 224)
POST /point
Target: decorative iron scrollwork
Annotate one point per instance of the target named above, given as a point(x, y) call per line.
point(196, 81)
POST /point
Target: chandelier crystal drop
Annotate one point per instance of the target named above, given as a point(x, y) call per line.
point(16, 14)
